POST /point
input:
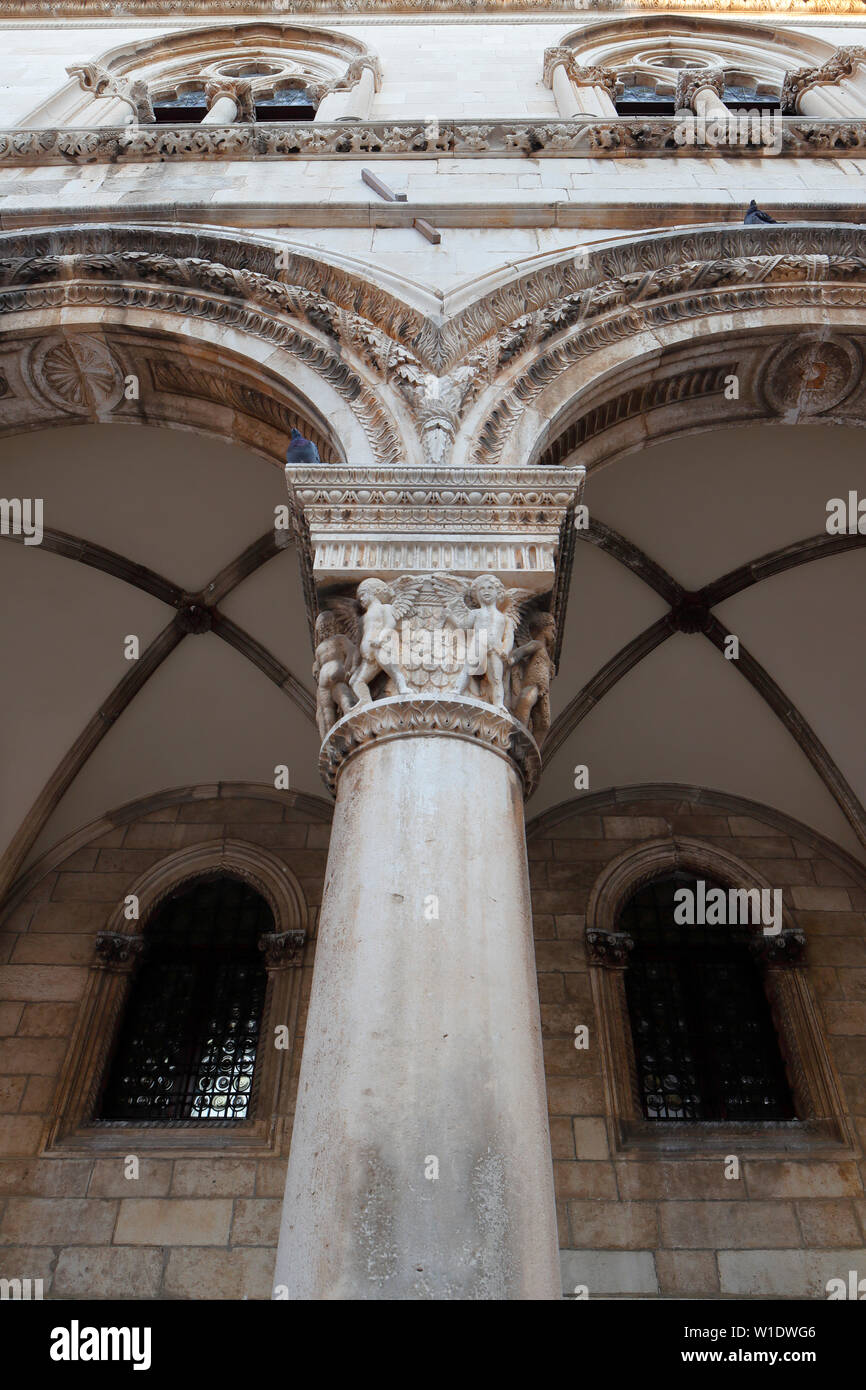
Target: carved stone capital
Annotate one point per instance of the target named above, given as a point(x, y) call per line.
point(691, 81)
point(98, 80)
point(591, 76)
point(450, 716)
point(608, 948)
point(561, 54)
point(352, 75)
point(239, 90)
point(841, 64)
point(395, 520)
point(118, 952)
point(786, 948)
point(283, 949)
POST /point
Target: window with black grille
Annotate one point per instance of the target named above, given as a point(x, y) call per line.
point(704, 1040)
point(186, 1049)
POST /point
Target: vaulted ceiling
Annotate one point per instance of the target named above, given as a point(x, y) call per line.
point(145, 525)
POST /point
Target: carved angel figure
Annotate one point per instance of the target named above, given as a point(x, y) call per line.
point(493, 620)
point(532, 669)
point(379, 640)
point(336, 659)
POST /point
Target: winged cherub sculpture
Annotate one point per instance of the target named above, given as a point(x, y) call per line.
point(336, 658)
point(382, 610)
point(493, 620)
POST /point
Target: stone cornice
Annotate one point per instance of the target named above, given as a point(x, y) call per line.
point(401, 520)
point(586, 138)
point(451, 716)
point(186, 9)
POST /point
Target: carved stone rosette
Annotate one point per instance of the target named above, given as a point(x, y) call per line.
point(283, 949)
point(117, 952)
point(407, 716)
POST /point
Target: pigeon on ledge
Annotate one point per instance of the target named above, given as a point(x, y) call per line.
point(301, 450)
point(754, 215)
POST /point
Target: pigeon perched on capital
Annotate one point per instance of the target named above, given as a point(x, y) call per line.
point(755, 216)
point(301, 450)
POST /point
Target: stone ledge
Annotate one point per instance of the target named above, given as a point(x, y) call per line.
point(586, 138)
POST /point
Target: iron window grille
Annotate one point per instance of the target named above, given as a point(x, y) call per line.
point(187, 1045)
point(704, 1041)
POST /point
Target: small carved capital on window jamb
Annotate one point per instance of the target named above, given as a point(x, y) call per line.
point(609, 948)
point(283, 949)
point(785, 948)
point(118, 952)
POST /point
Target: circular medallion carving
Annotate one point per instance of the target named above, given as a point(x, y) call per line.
point(811, 375)
point(77, 373)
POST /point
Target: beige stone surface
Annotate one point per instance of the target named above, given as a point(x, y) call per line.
point(155, 1221)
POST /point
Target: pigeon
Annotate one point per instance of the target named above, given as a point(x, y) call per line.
point(754, 215)
point(301, 450)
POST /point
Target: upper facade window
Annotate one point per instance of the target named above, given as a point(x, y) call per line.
point(659, 66)
point(235, 73)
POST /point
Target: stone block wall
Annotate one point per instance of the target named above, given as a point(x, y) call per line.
point(669, 1223)
point(199, 1224)
point(191, 1225)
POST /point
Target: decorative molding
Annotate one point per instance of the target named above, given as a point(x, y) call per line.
point(415, 520)
point(101, 82)
point(260, 302)
point(691, 81)
point(589, 137)
point(842, 64)
point(118, 951)
point(421, 717)
point(238, 90)
point(787, 948)
point(115, 9)
point(608, 948)
point(283, 949)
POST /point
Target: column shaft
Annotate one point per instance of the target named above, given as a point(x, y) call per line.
point(359, 98)
point(223, 112)
point(422, 1052)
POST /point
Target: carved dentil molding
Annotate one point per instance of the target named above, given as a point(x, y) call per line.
point(841, 64)
point(418, 716)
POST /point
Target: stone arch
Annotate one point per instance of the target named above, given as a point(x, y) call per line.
point(302, 338)
point(636, 867)
point(267, 874)
point(634, 305)
point(321, 58)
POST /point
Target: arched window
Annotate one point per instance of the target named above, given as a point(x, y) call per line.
point(186, 1049)
point(704, 1042)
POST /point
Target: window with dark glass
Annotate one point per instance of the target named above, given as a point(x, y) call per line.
point(637, 100)
point(285, 104)
point(189, 106)
point(187, 1044)
point(704, 1041)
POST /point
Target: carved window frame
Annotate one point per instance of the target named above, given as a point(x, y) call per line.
point(74, 1127)
point(817, 1095)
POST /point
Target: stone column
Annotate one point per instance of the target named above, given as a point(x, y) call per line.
point(579, 91)
point(701, 91)
point(826, 91)
point(420, 1162)
point(228, 101)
